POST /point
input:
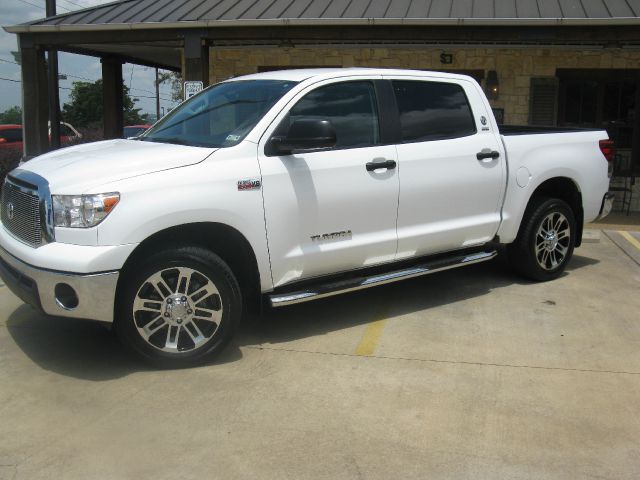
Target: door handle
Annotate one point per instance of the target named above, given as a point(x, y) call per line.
point(487, 153)
point(388, 164)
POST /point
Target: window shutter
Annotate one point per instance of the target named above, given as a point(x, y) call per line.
point(543, 101)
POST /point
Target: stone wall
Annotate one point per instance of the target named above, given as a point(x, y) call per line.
point(515, 66)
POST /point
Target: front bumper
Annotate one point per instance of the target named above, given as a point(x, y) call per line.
point(49, 291)
point(607, 205)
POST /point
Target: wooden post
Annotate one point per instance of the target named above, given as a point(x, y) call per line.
point(196, 59)
point(112, 98)
point(35, 103)
point(54, 92)
point(635, 139)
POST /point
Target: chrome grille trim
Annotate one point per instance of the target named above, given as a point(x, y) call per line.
point(32, 222)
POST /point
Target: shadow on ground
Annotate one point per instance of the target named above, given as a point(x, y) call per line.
point(91, 351)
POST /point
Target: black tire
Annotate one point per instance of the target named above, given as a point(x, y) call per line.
point(203, 270)
point(522, 253)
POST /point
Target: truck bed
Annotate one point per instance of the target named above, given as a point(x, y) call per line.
point(509, 130)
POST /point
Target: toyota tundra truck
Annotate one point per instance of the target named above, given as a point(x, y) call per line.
point(285, 187)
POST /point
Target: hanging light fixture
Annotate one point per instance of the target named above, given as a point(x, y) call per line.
point(492, 85)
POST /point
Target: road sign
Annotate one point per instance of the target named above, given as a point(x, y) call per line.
point(191, 88)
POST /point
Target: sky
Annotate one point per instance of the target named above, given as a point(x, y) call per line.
point(138, 78)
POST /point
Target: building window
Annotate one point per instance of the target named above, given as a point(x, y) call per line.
point(600, 99)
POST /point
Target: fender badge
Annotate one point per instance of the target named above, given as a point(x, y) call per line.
point(249, 185)
point(346, 234)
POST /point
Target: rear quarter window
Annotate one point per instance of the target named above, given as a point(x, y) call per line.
point(432, 111)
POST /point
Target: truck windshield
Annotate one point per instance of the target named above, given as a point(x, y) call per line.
point(220, 116)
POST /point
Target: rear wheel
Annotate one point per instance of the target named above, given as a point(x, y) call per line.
point(179, 308)
point(545, 241)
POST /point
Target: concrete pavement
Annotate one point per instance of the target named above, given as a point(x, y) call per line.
point(470, 373)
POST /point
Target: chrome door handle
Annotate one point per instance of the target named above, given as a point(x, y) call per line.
point(388, 164)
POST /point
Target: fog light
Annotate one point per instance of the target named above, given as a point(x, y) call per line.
point(66, 296)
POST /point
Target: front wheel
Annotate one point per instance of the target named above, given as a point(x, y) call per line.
point(179, 307)
point(545, 241)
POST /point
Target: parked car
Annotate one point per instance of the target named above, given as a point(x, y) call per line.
point(286, 187)
point(11, 136)
point(134, 130)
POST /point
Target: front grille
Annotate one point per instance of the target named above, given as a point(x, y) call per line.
point(21, 213)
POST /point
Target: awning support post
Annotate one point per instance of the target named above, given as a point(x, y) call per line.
point(196, 59)
point(35, 99)
point(112, 98)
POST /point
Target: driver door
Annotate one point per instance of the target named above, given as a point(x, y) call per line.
point(325, 211)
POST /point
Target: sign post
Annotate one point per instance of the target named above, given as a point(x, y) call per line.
point(191, 88)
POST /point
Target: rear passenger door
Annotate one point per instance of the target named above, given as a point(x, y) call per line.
point(449, 197)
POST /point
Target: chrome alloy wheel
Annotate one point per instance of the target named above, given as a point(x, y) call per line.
point(177, 309)
point(552, 241)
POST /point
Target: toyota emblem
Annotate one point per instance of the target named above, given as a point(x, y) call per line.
point(10, 211)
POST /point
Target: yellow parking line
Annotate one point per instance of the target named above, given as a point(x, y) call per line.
point(631, 239)
point(370, 338)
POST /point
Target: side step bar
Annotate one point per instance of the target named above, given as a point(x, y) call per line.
point(349, 285)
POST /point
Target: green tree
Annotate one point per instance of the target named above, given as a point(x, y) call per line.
point(12, 115)
point(84, 109)
point(174, 80)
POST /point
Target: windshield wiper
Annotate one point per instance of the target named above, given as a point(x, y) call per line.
point(179, 141)
point(173, 140)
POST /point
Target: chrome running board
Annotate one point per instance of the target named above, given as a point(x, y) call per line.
point(358, 283)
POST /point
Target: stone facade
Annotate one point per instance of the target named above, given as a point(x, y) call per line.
point(515, 67)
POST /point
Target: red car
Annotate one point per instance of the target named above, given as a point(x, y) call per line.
point(134, 130)
point(11, 136)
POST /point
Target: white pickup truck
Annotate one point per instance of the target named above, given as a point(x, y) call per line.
point(285, 187)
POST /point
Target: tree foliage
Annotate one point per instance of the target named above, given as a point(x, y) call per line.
point(84, 109)
point(11, 115)
point(174, 80)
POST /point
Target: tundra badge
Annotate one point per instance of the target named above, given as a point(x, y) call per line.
point(346, 234)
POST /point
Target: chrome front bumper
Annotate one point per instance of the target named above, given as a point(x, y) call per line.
point(49, 291)
point(607, 205)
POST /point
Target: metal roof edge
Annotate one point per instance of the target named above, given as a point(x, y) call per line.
point(618, 21)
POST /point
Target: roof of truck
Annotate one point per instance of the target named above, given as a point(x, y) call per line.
point(299, 75)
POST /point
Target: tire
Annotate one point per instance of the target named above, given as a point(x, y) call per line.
point(539, 257)
point(178, 307)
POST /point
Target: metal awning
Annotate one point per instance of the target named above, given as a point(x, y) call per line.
point(163, 14)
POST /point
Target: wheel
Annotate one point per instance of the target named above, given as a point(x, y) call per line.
point(179, 307)
point(545, 241)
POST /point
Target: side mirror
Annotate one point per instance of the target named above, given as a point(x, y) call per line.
point(304, 134)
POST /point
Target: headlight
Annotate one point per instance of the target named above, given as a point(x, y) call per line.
point(82, 211)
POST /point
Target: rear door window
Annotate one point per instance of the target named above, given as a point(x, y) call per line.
point(432, 111)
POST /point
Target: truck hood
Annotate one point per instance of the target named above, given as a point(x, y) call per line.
point(78, 169)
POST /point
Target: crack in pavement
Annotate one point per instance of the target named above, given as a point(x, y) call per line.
point(452, 362)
